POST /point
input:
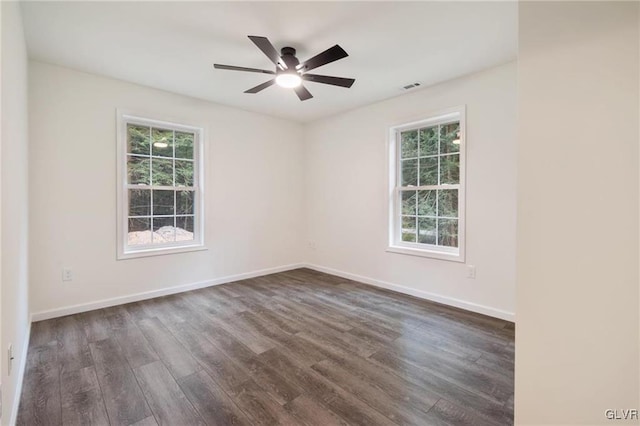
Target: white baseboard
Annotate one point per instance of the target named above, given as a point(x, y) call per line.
point(462, 304)
point(21, 367)
point(469, 306)
point(105, 303)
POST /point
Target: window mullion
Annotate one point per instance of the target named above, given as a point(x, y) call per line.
point(398, 202)
point(151, 206)
point(162, 187)
point(175, 193)
point(426, 187)
point(438, 190)
point(418, 181)
point(152, 212)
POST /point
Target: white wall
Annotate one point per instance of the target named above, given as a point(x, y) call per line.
point(577, 272)
point(253, 190)
point(15, 209)
point(347, 181)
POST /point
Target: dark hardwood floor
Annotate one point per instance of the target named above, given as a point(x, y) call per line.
point(295, 348)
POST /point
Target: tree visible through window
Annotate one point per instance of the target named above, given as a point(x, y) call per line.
point(162, 191)
point(428, 186)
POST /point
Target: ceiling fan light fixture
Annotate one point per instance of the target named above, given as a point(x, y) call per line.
point(288, 80)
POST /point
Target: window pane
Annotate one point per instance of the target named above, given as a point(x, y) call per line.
point(429, 141)
point(184, 173)
point(427, 203)
point(138, 139)
point(429, 171)
point(449, 133)
point(137, 170)
point(448, 203)
point(448, 232)
point(408, 202)
point(409, 229)
point(139, 202)
point(139, 231)
point(409, 172)
point(162, 202)
point(185, 202)
point(162, 172)
point(427, 230)
point(409, 144)
point(162, 142)
point(184, 228)
point(450, 169)
point(184, 145)
point(163, 230)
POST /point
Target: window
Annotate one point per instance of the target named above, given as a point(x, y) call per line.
point(159, 187)
point(427, 172)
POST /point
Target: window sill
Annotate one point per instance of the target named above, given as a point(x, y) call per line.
point(160, 251)
point(452, 257)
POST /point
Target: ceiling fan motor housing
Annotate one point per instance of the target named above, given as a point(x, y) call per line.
point(289, 57)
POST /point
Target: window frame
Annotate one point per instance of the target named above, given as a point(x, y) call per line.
point(395, 243)
point(124, 251)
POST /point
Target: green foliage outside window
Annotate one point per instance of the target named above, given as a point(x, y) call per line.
point(160, 157)
point(430, 157)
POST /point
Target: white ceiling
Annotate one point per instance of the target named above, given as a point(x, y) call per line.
point(173, 45)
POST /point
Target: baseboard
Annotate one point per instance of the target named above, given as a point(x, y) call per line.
point(105, 303)
point(21, 367)
point(462, 304)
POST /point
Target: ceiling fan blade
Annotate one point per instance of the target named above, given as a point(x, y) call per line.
point(267, 48)
point(327, 79)
point(303, 93)
point(234, 68)
point(330, 55)
point(261, 87)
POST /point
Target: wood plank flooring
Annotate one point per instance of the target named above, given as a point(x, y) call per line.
point(294, 348)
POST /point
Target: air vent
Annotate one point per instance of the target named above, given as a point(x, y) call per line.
point(411, 86)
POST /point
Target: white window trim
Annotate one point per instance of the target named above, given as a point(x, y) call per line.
point(395, 244)
point(123, 250)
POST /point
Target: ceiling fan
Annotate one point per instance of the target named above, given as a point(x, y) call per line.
point(290, 72)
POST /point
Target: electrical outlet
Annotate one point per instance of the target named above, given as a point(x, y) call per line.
point(312, 245)
point(10, 359)
point(67, 274)
point(471, 272)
